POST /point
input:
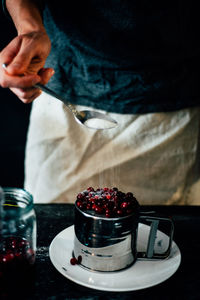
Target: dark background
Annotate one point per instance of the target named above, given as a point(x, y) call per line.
point(14, 118)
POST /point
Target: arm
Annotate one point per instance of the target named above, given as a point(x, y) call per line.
point(26, 54)
point(25, 15)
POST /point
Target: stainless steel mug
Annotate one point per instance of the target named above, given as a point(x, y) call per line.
point(110, 244)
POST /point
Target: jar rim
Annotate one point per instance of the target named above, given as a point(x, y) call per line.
point(20, 195)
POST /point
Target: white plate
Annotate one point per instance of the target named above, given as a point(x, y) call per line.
point(142, 274)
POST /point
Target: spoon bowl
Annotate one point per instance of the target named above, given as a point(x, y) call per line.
point(89, 118)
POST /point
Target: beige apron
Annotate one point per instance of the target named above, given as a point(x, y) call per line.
point(155, 155)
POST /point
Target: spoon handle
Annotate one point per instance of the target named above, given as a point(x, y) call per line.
point(52, 93)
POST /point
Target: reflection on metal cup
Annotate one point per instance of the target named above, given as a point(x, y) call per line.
point(105, 244)
point(110, 244)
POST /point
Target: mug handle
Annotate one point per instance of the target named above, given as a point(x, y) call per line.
point(149, 254)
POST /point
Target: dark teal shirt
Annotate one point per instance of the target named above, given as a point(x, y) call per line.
point(130, 56)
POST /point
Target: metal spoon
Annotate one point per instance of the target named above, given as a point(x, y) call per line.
point(89, 118)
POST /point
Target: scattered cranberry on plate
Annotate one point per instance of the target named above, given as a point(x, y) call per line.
point(76, 261)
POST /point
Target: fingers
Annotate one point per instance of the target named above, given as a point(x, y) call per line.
point(19, 81)
point(16, 57)
point(23, 59)
point(46, 74)
point(27, 95)
point(25, 81)
point(12, 80)
point(24, 63)
point(26, 54)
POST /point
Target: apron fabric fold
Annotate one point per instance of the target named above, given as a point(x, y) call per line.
point(153, 155)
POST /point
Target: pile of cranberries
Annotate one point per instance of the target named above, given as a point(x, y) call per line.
point(16, 255)
point(108, 202)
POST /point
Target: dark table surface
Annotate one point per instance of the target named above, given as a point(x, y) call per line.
point(48, 283)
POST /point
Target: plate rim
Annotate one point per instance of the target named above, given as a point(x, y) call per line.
point(89, 272)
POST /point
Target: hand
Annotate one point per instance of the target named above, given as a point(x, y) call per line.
point(25, 57)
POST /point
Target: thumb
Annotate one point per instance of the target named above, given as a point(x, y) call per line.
point(46, 74)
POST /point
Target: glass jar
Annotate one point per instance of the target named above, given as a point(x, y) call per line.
point(17, 233)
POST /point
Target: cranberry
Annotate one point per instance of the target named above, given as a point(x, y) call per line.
point(105, 205)
point(115, 208)
point(94, 206)
point(110, 205)
point(10, 242)
point(80, 196)
point(115, 198)
point(19, 255)
point(73, 261)
point(16, 255)
point(90, 189)
point(99, 209)
point(91, 194)
point(129, 211)
point(8, 257)
point(129, 195)
point(108, 213)
point(92, 200)
point(29, 252)
point(79, 203)
point(115, 189)
point(124, 205)
point(85, 193)
point(30, 255)
point(119, 212)
point(23, 243)
point(89, 206)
